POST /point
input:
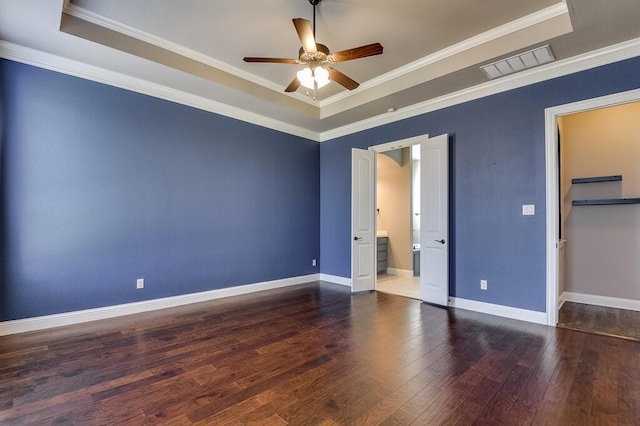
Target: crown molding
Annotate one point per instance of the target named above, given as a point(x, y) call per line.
point(600, 57)
point(520, 24)
point(493, 34)
point(118, 27)
point(74, 68)
point(608, 55)
point(548, 14)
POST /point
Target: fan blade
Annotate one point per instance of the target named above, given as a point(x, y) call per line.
point(293, 86)
point(305, 32)
point(271, 60)
point(357, 52)
point(342, 79)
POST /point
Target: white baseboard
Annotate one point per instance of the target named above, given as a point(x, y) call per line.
point(560, 304)
point(561, 299)
point(593, 299)
point(335, 279)
point(77, 317)
point(499, 310)
point(400, 272)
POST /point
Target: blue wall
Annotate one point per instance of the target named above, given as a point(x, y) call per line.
point(101, 186)
point(498, 165)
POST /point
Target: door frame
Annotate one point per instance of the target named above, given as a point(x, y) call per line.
point(403, 143)
point(554, 300)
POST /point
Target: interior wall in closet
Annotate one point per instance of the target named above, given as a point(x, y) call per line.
point(603, 241)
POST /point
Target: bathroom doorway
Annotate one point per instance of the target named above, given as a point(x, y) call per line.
point(435, 244)
point(398, 221)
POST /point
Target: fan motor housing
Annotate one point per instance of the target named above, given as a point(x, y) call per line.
point(320, 55)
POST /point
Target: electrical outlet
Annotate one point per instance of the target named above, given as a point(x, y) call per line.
point(483, 284)
point(314, 262)
point(140, 283)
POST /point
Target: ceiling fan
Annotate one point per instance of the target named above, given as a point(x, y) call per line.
point(318, 59)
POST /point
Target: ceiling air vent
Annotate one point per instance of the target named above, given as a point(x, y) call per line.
point(523, 61)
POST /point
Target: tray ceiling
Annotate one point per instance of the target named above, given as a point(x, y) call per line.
point(195, 47)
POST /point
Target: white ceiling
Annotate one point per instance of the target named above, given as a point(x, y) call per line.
point(193, 49)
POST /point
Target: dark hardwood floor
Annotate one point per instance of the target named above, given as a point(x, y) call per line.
point(602, 320)
point(315, 355)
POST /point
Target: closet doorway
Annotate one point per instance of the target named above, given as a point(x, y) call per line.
point(593, 228)
point(600, 219)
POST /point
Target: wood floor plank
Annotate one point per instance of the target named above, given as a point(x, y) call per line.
point(628, 372)
point(315, 354)
point(387, 405)
point(601, 320)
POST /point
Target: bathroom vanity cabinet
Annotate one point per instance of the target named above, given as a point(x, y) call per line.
point(383, 243)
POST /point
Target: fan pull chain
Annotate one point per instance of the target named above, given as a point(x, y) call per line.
point(315, 82)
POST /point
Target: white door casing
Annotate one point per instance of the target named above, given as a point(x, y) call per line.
point(434, 220)
point(363, 225)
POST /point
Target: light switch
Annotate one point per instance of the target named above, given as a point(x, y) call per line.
point(528, 209)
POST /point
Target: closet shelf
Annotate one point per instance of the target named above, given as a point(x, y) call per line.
point(594, 179)
point(606, 202)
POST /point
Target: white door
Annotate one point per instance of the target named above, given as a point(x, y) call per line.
point(363, 226)
point(434, 220)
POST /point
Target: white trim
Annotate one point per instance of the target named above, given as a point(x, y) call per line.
point(552, 214)
point(62, 65)
point(551, 164)
point(336, 279)
point(620, 98)
point(499, 310)
point(618, 52)
point(402, 143)
point(561, 301)
point(593, 299)
point(400, 272)
point(78, 317)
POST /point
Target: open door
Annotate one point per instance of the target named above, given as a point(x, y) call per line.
point(363, 226)
point(434, 220)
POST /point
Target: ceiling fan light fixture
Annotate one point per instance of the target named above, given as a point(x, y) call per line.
point(315, 79)
point(321, 76)
point(317, 59)
point(306, 77)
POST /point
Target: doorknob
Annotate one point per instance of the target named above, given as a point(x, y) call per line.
point(357, 238)
point(442, 241)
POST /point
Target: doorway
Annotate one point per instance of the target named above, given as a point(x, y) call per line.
point(397, 198)
point(599, 182)
point(556, 246)
point(434, 199)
